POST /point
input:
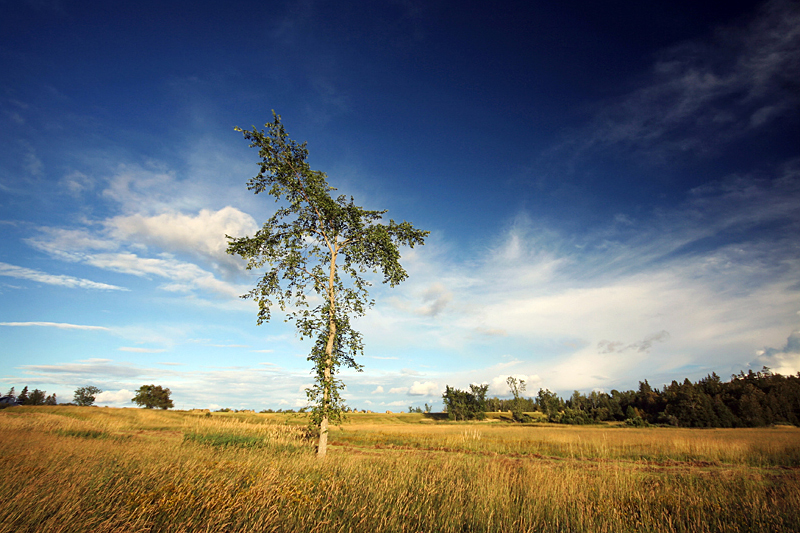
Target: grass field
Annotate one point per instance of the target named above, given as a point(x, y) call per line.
point(84, 469)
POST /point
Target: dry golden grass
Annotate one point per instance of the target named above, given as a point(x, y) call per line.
point(114, 470)
point(779, 446)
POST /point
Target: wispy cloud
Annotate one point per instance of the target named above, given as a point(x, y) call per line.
point(141, 350)
point(98, 370)
point(702, 94)
point(59, 325)
point(53, 279)
point(703, 285)
point(229, 345)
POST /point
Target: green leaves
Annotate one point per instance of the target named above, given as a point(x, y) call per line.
point(311, 239)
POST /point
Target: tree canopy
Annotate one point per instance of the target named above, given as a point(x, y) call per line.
point(86, 395)
point(317, 245)
point(153, 397)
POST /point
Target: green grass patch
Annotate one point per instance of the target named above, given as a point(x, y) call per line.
point(225, 440)
point(82, 433)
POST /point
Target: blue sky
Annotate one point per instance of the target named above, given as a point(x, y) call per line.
point(613, 191)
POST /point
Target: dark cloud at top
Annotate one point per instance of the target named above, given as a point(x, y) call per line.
point(701, 95)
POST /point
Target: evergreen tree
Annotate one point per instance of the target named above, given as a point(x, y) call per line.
point(36, 397)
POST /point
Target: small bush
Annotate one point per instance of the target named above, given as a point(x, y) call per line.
point(637, 422)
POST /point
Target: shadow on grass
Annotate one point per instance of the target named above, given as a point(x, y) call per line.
point(439, 417)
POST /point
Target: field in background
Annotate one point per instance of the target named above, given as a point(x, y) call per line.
point(103, 470)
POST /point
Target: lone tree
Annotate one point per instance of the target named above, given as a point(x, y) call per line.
point(153, 396)
point(316, 244)
point(517, 387)
point(85, 395)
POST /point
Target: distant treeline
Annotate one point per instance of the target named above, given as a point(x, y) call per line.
point(747, 400)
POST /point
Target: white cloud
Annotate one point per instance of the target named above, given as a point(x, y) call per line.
point(77, 183)
point(120, 397)
point(31, 161)
point(59, 325)
point(397, 390)
point(201, 236)
point(97, 370)
point(499, 384)
point(229, 345)
point(608, 308)
point(183, 276)
point(435, 299)
point(51, 279)
point(378, 390)
point(644, 345)
point(428, 388)
point(785, 360)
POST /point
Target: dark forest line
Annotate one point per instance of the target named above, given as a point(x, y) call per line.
point(752, 399)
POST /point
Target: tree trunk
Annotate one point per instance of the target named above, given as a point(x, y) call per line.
point(322, 448)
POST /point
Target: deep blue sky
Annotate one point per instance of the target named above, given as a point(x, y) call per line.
point(612, 190)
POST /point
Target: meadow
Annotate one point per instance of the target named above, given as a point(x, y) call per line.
point(66, 469)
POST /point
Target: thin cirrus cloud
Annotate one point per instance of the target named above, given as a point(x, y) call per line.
point(182, 276)
point(701, 94)
point(54, 279)
point(95, 370)
point(59, 325)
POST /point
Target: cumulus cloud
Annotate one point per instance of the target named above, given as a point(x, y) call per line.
point(428, 388)
point(378, 390)
point(785, 360)
point(53, 279)
point(201, 235)
point(397, 390)
point(120, 397)
point(499, 384)
point(124, 245)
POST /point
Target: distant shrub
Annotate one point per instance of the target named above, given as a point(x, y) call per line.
point(637, 422)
